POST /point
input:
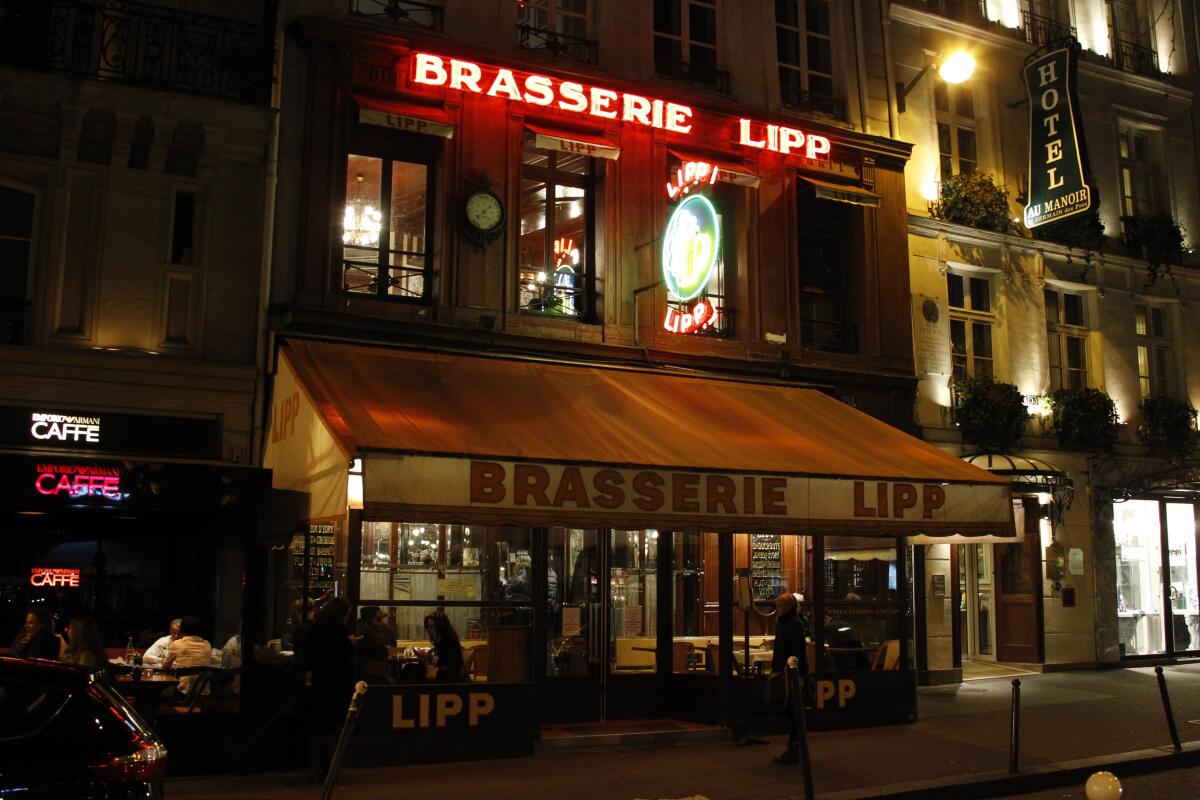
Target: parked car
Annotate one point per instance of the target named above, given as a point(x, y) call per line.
point(64, 733)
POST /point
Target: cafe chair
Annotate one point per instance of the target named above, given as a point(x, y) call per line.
point(712, 653)
point(888, 656)
point(479, 662)
point(682, 656)
point(189, 703)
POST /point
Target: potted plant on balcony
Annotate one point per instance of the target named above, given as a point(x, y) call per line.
point(1157, 239)
point(973, 198)
point(991, 415)
point(1169, 427)
point(1085, 420)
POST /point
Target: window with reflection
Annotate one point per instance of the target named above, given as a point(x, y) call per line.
point(556, 246)
point(633, 595)
point(478, 577)
point(862, 620)
point(385, 224)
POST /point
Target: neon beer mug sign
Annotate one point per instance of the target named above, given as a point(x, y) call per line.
point(691, 250)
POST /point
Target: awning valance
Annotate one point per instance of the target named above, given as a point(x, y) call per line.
point(843, 192)
point(404, 116)
point(574, 142)
point(446, 438)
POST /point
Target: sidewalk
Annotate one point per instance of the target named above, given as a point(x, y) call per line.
point(1096, 717)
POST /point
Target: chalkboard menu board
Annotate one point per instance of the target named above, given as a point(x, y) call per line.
point(765, 565)
point(312, 558)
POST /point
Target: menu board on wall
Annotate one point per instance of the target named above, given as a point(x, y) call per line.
point(765, 565)
point(312, 558)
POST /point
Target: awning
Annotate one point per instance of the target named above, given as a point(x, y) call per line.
point(449, 438)
point(727, 171)
point(843, 192)
point(575, 142)
point(404, 116)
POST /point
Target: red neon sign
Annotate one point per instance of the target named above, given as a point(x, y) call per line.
point(55, 576)
point(692, 173)
point(700, 317)
point(782, 139)
point(539, 90)
point(79, 480)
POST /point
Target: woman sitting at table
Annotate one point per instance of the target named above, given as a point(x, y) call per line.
point(84, 646)
point(447, 666)
point(189, 650)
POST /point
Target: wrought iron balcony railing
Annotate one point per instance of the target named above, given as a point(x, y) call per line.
point(560, 44)
point(423, 15)
point(698, 74)
point(830, 337)
point(130, 42)
point(1041, 30)
point(813, 102)
point(1135, 58)
point(973, 12)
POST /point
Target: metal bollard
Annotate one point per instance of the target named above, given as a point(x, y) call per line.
point(1014, 739)
point(339, 752)
point(797, 698)
point(1166, 701)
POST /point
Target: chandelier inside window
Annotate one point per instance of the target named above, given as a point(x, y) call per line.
point(362, 221)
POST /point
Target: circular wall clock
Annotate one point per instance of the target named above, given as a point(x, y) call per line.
point(484, 214)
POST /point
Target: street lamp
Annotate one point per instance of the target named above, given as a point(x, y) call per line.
point(954, 68)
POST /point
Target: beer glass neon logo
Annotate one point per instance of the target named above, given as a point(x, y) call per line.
point(690, 247)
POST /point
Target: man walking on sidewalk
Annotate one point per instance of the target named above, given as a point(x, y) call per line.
point(790, 640)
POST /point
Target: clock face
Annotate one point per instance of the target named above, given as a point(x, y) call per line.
point(484, 211)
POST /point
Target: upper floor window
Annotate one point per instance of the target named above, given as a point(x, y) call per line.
point(685, 41)
point(1047, 20)
point(560, 26)
point(956, 124)
point(16, 247)
point(386, 224)
point(972, 319)
point(826, 235)
point(804, 50)
point(1131, 34)
point(1066, 338)
point(557, 231)
point(1137, 171)
point(1153, 351)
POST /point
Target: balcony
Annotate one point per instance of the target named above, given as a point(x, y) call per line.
point(401, 12)
point(972, 12)
point(129, 42)
point(812, 102)
point(1041, 30)
point(696, 74)
point(1136, 59)
point(560, 44)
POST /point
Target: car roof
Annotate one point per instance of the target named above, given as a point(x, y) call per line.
point(46, 671)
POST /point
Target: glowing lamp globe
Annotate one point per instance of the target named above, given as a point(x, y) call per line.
point(957, 68)
point(1103, 786)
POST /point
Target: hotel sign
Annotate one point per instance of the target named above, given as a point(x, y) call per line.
point(1058, 186)
point(537, 493)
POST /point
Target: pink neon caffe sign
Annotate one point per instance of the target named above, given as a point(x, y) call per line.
point(540, 90)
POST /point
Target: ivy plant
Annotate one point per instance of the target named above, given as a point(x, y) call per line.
point(1084, 420)
point(1157, 239)
point(991, 415)
point(1169, 427)
point(1078, 232)
point(973, 198)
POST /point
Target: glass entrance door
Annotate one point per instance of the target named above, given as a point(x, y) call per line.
point(977, 614)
